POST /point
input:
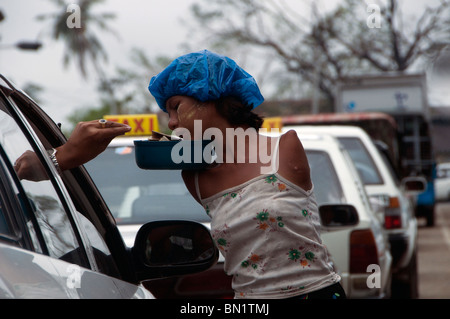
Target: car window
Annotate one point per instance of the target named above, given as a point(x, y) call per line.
point(443, 172)
point(391, 170)
point(88, 227)
point(136, 196)
point(48, 224)
point(5, 228)
point(363, 161)
point(323, 174)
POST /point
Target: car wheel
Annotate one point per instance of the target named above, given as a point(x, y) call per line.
point(430, 217)
point(405, 283)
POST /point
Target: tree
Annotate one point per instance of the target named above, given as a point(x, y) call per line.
point(33, 90)
point(74, 25)
point(131, 81)
point(393, 45)
point(328, 47)
point(81, 42)
point(130, 84)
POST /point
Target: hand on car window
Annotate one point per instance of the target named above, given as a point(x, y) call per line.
point(87, 140)
point(29, 167)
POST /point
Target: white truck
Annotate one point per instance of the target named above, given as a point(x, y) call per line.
point(404, 97)
point(392, 93)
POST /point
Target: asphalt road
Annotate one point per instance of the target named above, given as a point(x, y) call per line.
point(434, 256)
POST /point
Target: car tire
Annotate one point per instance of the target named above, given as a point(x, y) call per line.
point(430, 216)
point(405, 283)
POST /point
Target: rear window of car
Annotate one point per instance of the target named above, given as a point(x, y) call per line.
point(443, 172)
point(137, 196)
point(364, 163)
point(327, 186)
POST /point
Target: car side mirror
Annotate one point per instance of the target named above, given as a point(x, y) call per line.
point(339, 215)
point(414, 185)
point(173, 248)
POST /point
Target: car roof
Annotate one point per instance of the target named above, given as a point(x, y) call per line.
point(330, 129)
point(337, 118)
point(445, 165)
point(126, 140)
point(318, 141)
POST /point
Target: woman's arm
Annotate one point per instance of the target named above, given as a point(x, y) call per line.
point(87, 140)
point(293, 163)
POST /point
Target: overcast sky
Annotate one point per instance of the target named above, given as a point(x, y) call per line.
point(149, 24)
point(152, 25)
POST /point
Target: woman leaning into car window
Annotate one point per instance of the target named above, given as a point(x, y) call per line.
point(264, 219)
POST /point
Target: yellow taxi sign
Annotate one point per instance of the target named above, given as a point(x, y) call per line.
point(272, 122)
point(141, 124)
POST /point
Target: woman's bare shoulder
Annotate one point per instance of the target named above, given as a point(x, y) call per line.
point(293, 161)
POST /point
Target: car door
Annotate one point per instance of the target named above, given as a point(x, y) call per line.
point(52, 238)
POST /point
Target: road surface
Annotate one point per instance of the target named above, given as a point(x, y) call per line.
point(434, 256)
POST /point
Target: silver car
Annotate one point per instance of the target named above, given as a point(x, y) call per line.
point(58, 238)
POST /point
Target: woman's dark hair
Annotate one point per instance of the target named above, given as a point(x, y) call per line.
point(237, 113)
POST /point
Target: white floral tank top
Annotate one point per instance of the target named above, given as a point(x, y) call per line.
point(268, 231)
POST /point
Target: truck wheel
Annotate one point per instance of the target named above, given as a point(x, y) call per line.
point(405, 283)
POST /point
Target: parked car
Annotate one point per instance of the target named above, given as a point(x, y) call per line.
point(136, 196)
point(58, 238)
point(442, 182)
point(129, 203)
point(383, 187)
point(353, 247)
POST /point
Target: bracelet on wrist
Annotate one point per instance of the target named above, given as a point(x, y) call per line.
point(52, 155)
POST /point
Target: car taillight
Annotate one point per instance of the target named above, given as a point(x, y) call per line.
point(392, 214)
point(391, 222)
point(363, 250)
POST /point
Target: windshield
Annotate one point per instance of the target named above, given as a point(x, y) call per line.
point(363, 161)
point(137, 196)
point(327, 187)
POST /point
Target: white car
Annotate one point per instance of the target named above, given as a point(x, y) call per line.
point(442, 182)
point(382, 186)
point(356, 249)
point(136, 196)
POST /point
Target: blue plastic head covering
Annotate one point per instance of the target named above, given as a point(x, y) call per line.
point(206, 76)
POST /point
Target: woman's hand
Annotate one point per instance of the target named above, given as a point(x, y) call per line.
point(28, 166)
point(88, 139)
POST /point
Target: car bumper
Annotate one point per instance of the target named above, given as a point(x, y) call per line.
point(365, 286)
